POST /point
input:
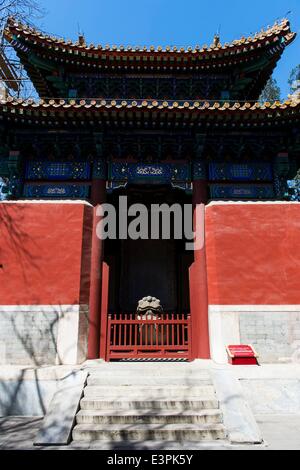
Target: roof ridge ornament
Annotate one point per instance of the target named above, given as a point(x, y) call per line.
point(81, 40)
point(217, 41)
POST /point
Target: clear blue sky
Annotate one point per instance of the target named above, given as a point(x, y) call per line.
point(172, 22)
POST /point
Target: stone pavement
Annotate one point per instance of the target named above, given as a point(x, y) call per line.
point(280, 432)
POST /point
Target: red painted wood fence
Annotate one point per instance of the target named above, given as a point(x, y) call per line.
point(166, 337)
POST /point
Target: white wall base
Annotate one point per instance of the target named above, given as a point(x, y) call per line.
point(274, 330)
point(223, 331)
point(72, 336)
point(43, 334)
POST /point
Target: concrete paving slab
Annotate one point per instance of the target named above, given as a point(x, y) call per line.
point(18, 432)
point(238, 417)
point(58, 423)
point(272, 396)
point(281, 432)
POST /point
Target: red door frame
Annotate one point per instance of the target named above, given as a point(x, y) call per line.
point(98, 197)
point(95, 291)
point(104, 311)
point(99, 291)
point(198, 278)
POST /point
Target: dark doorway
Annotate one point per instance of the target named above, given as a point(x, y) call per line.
point(140, 268)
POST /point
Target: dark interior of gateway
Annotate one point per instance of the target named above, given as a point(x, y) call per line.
point(149, 267)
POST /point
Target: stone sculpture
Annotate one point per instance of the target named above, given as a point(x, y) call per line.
point(149, 308)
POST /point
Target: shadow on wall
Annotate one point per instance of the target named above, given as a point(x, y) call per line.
point(21, 397)
point(18, 238)
point(31, 393)
point(42, 333)
point(35, 336)
point(27, 390)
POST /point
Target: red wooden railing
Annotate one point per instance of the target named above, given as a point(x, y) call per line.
point(131, 337)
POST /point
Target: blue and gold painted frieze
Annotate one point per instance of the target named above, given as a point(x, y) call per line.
point(255, 171)
point(58, 171)
point(242, 191)
point(147, 172)
point(56, 191)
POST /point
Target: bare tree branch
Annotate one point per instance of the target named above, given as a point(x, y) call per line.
point(24, 10)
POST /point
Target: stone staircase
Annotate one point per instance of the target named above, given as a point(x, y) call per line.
point(149, 402)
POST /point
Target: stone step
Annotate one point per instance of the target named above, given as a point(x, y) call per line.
point(149, 392)
point(193, 403)
point(142, 432)
point(157, 370)
point(104, 379)
point(152, 446)
point(148, 417)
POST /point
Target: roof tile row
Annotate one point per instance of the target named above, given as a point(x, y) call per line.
point(150, 104)
point(274, 33)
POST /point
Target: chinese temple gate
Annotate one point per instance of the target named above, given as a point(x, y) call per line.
point(157, 125)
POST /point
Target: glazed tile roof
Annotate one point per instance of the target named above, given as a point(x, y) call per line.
point(252, 59)
point(148, 104)
point(141, 112)
point(278, 33)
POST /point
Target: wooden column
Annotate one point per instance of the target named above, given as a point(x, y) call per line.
point(98, 197)
point(198, 270)
point(104, 310)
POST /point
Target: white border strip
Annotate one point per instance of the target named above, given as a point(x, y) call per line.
point(60, 309)
point(224, 329)
point(254, 308)
point(253, 203)
point(48, 201)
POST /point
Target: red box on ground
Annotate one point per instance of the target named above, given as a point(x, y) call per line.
point(242, 355)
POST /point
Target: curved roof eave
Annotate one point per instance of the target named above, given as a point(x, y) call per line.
point(278, 32)
point(87, 110)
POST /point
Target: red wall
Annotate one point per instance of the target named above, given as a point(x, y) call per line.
point(44, 253)
point(253, 254)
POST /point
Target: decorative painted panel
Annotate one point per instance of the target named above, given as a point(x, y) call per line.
point(56, 191)
point(240, 171)
point(241, 191)
point(58, 171)
point(139, 172)
point(179, 175)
